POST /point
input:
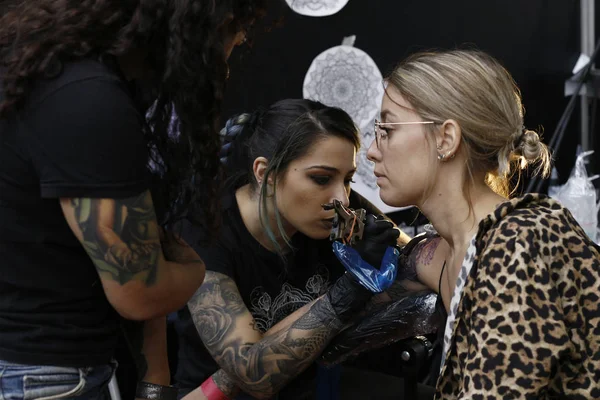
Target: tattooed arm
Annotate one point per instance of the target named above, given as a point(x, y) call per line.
point(121, 236)
point(260, 366)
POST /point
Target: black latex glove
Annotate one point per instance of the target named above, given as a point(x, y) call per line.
point(378, 235)
point(348, 297)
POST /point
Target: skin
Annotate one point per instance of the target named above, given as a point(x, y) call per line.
point(409, 173)
point(322, 175)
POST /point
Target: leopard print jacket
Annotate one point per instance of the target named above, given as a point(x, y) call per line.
point(528, 320)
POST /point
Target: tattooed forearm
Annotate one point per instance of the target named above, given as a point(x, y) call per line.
point(120, 235)
point(263, 367)
point(225, 384)
point(215, 307)
point(270, 364)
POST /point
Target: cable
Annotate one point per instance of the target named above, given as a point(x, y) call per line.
point(536, 182)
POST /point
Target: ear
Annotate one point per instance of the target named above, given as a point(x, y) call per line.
point(449, 139)
point(259, 167)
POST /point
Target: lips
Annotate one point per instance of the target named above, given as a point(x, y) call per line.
point(327, 223)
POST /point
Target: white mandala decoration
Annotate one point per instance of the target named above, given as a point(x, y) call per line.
point(316, 8)
point(346, 77)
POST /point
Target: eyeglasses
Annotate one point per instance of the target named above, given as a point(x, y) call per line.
point(381, 134)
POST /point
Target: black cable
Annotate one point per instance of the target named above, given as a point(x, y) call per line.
point(535, 183)
point(593, 114)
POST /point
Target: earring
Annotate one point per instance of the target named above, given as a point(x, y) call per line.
point(441, 157)
point(451, 156)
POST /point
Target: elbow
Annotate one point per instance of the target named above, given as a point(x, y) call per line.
point(142, 312)
point(138, 301)
point(144, 304)
point(135, 314)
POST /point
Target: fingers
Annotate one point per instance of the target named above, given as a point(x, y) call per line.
point(384, 224)
point(377, 223)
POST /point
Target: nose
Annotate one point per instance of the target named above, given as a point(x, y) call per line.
point(341, 194)
point(373, 154)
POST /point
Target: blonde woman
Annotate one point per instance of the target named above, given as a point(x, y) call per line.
point(518, 278)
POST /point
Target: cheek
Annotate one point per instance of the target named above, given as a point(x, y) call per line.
point(408, 167)
point(295, 202)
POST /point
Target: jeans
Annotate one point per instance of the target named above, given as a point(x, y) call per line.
point(41, 382)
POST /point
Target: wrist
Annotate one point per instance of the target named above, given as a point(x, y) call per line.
point(158, 378)
point(212, 391)
point(152, 391)
point(347, 297)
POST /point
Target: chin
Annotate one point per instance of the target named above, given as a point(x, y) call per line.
point(391, 199)
point(316, 233)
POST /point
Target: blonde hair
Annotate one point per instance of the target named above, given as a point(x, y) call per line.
point(472, 88)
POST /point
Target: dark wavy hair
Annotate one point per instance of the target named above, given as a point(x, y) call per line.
point(282, 133)
point(183, 44)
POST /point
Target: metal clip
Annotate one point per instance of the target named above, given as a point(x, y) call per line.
point(348, 224)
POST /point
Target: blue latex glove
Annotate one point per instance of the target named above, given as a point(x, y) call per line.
point(376, 280)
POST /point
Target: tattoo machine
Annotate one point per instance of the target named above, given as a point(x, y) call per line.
point(348, 224)
point(348, 228)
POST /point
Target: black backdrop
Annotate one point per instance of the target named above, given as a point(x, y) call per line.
point(537, 40)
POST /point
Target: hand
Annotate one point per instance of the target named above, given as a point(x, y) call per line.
point(120, 254)
point(378, 235)
point(347, 297)
point(375, 279)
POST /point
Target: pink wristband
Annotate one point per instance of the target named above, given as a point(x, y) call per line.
point(212, 391)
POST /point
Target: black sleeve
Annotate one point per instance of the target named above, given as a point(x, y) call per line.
point(86, 140)
point(215, 255)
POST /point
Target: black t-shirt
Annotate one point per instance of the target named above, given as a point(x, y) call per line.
point(270, 290)
point(78, 135)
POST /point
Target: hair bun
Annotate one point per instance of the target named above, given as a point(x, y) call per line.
point(530, 149)
point(531, 146)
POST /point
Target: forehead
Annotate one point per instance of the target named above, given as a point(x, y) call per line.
point(332, 151)
point(395, 105)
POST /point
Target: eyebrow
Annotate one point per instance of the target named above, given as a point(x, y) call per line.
point(328, 168)
point(385, 113)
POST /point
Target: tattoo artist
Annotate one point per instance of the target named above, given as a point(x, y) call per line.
point(274, 293)
point(80, 237)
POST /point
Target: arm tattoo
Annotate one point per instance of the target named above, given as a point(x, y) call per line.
point(225, 384)
point(407, 281)
point(215, 307)
point(425, 250)
point(268, 365)
point(121, 236)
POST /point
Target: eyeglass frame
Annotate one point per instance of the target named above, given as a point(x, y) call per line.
point(377, 126)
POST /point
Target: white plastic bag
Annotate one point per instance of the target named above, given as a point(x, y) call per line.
point(579, 196)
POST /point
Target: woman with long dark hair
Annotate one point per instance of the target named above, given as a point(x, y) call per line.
point(80, 241)
point(275, 294)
